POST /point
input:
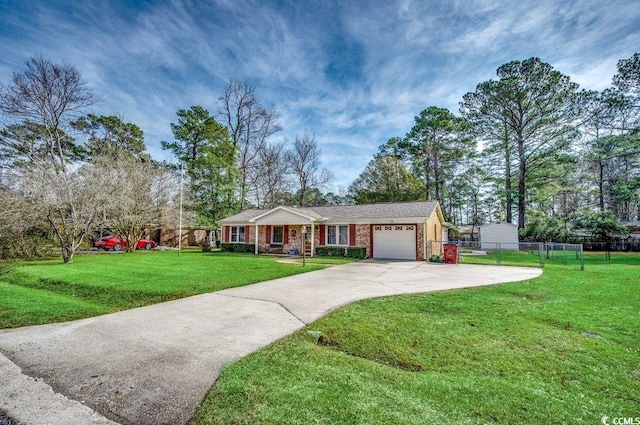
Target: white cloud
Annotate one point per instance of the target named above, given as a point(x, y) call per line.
point(148, 61)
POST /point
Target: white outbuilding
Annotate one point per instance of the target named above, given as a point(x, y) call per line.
point(503, 236)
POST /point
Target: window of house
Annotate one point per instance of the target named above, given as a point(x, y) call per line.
point(277, 234)
point(337, 235)
point(237, 233)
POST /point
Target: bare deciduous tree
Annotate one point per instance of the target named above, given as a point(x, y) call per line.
point(23, 234)
point(271, 180)
point(48, 95)
point(39, 104)
point(137, 193)
point(304, 160)
point(66, 201)
point(250, 124)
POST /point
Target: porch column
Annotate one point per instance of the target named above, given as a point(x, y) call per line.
point(256, 241)
point(313, 238)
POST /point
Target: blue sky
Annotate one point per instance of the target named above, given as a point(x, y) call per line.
point(354, 73)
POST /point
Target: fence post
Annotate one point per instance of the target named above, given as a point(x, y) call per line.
point(541, 249)
point(498, 253)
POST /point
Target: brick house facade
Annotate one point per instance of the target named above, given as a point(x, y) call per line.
point(412, 230)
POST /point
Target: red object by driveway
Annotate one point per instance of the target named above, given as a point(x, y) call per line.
point(450, 253)
point(118, 243)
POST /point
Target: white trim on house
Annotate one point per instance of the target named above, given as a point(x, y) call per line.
point(345, 214)
point(293, 211)
point(236, 223)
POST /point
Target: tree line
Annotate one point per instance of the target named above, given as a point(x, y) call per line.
point(66, 173)
point(234, 161)
point(528, 147)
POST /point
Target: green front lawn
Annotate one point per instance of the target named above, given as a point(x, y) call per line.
point(505, 258)
point(49, 291)
point(527, 258)
point(562, 348)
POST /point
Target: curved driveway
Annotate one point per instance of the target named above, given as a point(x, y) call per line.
point(153, 365)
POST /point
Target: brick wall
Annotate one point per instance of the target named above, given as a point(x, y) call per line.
point(421, 253)
point(363, 236)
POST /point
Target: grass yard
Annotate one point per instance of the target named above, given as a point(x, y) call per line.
point(49, 291)
point(529, 258)
point(562, 348)
point(505, 258)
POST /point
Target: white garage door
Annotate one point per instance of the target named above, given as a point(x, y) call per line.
point(394, 241)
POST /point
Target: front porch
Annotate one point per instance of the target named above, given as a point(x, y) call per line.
point(284, 239)
point(275, 239)
point(279, 231)
point(288, 238)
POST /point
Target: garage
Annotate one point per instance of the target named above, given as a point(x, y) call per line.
point(396, 242)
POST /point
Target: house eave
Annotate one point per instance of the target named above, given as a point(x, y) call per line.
point(289, 210)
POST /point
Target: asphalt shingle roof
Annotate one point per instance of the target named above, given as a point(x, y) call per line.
point(243, 216)
point(345, 212)
point(408, 209)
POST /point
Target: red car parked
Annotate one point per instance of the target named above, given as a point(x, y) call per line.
point(118, 243)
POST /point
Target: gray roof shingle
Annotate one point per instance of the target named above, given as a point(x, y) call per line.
point(243, 216)
point(406, 209)
point(345, 212)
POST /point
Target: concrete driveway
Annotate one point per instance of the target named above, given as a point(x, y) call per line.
point(153, 365)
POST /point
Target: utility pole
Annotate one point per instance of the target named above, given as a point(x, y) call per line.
point(180, 222)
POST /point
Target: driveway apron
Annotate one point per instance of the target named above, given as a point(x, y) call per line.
point(154, 364)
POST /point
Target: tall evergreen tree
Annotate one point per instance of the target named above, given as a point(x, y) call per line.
point(536, 106)
point(436, 144)
point(385, 179)
point(204, 146)
point(110, 135)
